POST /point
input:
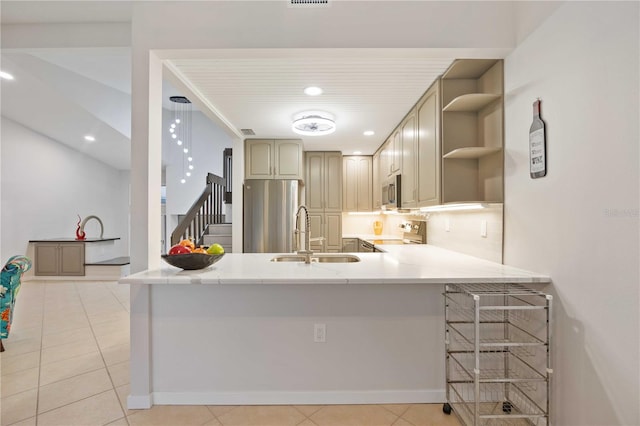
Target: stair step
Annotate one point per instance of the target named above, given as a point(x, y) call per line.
point(219, 229)
point(223, 240)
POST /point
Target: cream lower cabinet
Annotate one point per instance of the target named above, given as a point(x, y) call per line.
point(273, 159)
point(329, 227)
point(323, 198)
point(59, 259)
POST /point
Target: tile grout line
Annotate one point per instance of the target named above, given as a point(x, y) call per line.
point(44, 298)
point(113, 387)
point(118, 299)
point(216, 417)
point(399, 415)
point(307, 418)
point(37, 388)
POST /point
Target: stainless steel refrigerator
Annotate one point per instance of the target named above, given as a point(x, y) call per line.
point(269, 215)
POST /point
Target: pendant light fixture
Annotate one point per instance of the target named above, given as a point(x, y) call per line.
point(180, 130)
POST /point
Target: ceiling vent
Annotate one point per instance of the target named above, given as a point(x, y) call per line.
point(309, 3)
point(248, 132)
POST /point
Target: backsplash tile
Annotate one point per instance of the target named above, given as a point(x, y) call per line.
point(464, 232)
point(463, 235)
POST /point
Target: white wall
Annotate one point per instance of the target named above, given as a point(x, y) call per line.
point(46, 184)
point(579, 224)
point(460, 231)
point(208, 144)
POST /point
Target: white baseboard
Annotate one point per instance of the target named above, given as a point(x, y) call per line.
point(139, 402)
point(424, 396)
point(92, 273)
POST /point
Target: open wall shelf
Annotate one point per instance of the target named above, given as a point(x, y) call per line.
point(472, 131)
point(471, 102)
point(471, 152)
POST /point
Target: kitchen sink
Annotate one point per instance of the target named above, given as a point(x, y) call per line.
point(320, 258)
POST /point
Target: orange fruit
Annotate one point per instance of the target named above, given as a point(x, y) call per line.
point(199, 250)
point(188, 243)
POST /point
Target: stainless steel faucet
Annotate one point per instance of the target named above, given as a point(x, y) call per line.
point(307, 235)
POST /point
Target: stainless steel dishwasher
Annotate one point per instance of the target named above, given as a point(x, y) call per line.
point(365, 247)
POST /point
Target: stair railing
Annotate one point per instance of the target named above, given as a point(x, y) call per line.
point(205, 211)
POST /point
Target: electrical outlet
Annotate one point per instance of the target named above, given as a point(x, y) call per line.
point(483, 229)
point(447, 225)
point(319, 333)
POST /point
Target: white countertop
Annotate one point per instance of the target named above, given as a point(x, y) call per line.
point(401, 264)
point(369, 237)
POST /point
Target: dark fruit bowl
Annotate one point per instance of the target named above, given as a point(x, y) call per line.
point(191, 261)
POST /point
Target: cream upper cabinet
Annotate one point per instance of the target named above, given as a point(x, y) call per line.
point(376, 189)
point(333, 182)
point(391, 155)
point(288, 159)
point(409, 161)
point(396, 152)
point(428, 147)
point(314, 181)
point(323, 198)
point(357, 177)
point(273, 159)
point(323, 181)
point(258, 158)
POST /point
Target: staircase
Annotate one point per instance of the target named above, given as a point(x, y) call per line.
point(219, 233)
point(207, 210)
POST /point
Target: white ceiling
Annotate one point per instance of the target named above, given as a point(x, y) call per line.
point(371, 91)
point(67, 93)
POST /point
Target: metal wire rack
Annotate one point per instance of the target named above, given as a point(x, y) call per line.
point(498, 360)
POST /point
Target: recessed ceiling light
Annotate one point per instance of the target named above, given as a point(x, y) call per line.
point(89, 138)
point(369, 133)
point(357, 152)
point(313, 91)
point(6, 75)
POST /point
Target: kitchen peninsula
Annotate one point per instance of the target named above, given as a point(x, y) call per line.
point(243, 331)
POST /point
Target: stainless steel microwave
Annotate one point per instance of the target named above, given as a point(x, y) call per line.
point(391, 193)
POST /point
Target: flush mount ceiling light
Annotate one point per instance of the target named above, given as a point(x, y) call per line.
point(368, 133)
point(313, 123)
point(313, 91)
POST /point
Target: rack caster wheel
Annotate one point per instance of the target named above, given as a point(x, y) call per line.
point(446, 408)
point(506, 407)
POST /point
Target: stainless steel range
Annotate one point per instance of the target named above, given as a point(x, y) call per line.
point(415, 232)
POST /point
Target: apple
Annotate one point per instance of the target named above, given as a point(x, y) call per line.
point(215, 249)
point(179, 249)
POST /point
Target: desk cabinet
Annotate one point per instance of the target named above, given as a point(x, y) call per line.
point(59, 259)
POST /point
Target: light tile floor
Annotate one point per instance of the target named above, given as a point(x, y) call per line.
point(67, 363)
